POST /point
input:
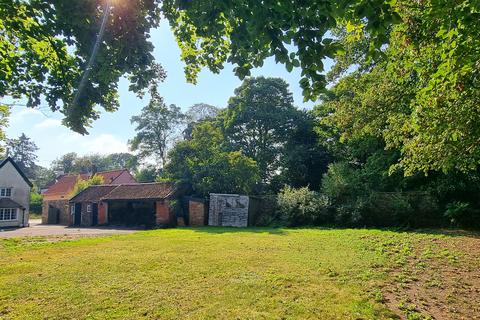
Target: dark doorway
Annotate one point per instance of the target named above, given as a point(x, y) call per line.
point(132, 213)
point(77, 215)
point(53, 215)
point(94, 214)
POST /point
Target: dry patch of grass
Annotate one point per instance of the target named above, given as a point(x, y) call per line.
point(221, 273)
point(434, 277)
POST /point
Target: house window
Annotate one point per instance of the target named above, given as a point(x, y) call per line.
point(5, 192)
point(89, 208)
point(7, 214)
point(72, 209)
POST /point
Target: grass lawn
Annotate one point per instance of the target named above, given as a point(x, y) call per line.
point(35, 215)
point(221, 273)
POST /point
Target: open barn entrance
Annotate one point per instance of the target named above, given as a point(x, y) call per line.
point(131, 213)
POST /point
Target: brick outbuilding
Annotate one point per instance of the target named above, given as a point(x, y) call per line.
point(145, 204)
point(55, 208)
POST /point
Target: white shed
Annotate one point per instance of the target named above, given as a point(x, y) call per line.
point(14, 195)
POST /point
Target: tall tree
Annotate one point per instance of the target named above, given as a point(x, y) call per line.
point(66, 163)
point(258, 121)
point(201, 111)
point(197, 113)
point(121, 160)
point(157, 127)
point(305, 158)
point(23, 151)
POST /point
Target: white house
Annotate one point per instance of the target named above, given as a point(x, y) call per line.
point(14, 195)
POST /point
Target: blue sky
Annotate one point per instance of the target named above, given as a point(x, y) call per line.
point(112, 131)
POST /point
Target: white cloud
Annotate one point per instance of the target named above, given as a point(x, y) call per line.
point(23, 115)
point(104, 144)
point(48, 123)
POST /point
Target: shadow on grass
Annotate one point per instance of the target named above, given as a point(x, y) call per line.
point(447, 232)
point(284, 231)
point(222, 230)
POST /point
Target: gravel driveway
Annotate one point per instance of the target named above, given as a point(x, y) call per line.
point(37, 229)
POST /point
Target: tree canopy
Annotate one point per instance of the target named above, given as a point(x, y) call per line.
point(73, 163)
point(259, 119)
point(157, 127)
point(47, 46)
point(23, 150)
point(206, 164)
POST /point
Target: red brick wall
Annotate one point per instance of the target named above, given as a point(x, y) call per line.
point(196, 211)
point(102, 213)
point(163, 214)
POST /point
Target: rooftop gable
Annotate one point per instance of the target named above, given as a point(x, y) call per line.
point(24, 177)
point(65, 183)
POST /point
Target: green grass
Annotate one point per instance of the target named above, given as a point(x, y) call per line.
point(33, 215)
point(210, 273)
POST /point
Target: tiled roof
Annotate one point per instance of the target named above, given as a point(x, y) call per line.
point(65, 183)
point(93, 193)
point(142, 191)
point(9, 203)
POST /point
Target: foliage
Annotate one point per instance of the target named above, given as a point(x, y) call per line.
point(65, 163)
point(258, 121)
point(36, 200)
point(201, 111)
point(463, 214)
point(23, 151)
point(208, 166)
point(304, 159)
point(245, 34)
point(157, 127)
point(73, 163)
point(4, 113)
point(42, 177)
point(367, 196)
point(46, 46)
point(148, 173)
point(421, 96)
point(83, 184)
point(299, 207)
point(197, 113)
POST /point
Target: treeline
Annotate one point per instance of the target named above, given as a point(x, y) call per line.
point(261, 144)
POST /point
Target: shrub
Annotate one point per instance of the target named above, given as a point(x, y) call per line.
point(302, 207)
point(82, 184)
point(36, 200)
point(462, 214)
